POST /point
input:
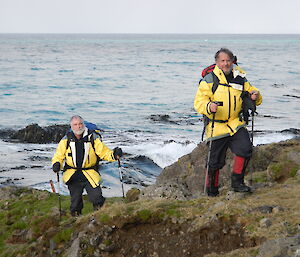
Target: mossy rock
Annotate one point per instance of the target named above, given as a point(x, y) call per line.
point(281, 171)
point(132, 195)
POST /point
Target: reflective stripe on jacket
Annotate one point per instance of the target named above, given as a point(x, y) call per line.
point(68, 154)
point(227, 120)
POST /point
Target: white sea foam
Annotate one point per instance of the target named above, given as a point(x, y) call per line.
point(271, 138)
point(163, 154)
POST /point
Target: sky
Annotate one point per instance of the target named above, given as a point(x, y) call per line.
point(152, 16)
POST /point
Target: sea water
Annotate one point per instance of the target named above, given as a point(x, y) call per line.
point(139, 89)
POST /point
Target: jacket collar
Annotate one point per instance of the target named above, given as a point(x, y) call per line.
point(237, 71)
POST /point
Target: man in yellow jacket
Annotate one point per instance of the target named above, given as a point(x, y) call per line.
point(80, 150)
point(220, 99)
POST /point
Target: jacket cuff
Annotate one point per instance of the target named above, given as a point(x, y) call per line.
point(208, 108)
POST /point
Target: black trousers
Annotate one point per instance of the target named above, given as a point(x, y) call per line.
point(94, 194)
point(240, 144)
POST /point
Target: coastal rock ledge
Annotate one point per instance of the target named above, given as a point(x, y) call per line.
point(184, 179)
point(36, 134)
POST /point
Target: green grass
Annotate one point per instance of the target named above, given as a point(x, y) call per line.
point(63, 236)
point(34, 210)
point(144, 215)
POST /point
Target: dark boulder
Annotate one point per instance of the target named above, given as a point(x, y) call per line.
point(35, 134)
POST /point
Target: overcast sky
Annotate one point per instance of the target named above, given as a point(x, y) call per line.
point(152, 16)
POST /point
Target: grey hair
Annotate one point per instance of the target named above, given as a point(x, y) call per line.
point(226, 51)
point(77, 117)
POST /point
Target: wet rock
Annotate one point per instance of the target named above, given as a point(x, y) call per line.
point(35, 134)
point(6, 133)
point(175, 118)
point(39, 158)
point(161, 118)
point(291, 130)
point(294, 96)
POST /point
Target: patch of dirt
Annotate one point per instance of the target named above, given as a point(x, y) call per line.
point(174, 239)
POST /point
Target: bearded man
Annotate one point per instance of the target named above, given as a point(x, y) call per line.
point(81, 150)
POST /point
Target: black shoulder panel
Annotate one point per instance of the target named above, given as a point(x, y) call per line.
point(208, 78)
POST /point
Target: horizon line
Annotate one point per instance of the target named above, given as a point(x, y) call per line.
point(146, 33)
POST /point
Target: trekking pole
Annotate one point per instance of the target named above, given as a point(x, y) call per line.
point(252, 136)
point(121, 177)
point(209, 151)
point(58, 192)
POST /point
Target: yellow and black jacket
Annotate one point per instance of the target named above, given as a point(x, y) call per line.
point(227, 118)
point(93, 147)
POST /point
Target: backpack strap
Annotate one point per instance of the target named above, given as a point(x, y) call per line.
point(213, 89)
point(94, 135)
point(69, 137)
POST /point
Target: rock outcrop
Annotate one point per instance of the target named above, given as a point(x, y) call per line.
point(184, 179)
point(40, 135)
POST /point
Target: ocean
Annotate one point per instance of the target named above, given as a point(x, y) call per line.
point(139, 89)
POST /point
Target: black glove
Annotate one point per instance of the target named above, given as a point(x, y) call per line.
point(56, 167)
point(248, 103)
point(248, 106)
point(118, 153)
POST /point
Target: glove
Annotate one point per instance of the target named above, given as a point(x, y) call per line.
point(248, 103)
point(56, 167)
point(117, 153)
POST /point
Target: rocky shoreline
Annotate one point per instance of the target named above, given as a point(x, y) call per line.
point(169, 218)
point(34, 133)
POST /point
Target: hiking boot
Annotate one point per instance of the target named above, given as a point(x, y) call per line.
point(212, 183)
point(214, 193)
point(238, 185)
point(98, 206)
point(241, 188)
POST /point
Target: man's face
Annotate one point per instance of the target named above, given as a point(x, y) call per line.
point(77, 126)
point(224, 63)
